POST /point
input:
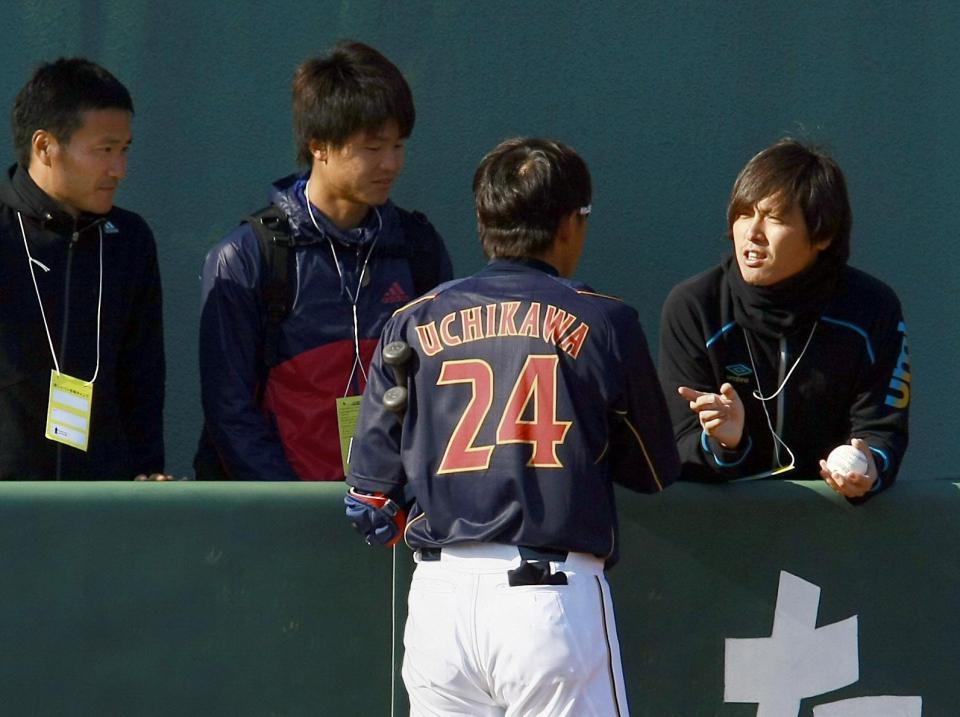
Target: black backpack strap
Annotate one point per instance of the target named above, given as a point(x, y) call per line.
point(272, 229)
point(422, 242)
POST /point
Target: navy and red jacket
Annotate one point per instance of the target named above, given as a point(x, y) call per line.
point(287, 428)
point(530, 395)
point(853, 380)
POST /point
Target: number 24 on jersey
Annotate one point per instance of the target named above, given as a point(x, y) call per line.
point(536, 386)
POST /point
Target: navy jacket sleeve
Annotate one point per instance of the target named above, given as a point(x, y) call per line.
point(643, 454)
point(230, 337)
point(141, 368)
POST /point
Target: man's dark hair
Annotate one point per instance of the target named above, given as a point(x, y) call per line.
point(802, 175)
point(57, 95)
point(522, 189)
point(352, 89)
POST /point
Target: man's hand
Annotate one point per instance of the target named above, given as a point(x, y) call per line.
point(156, 477)
point(721, 414)
point(852, 485)
point(377, 518)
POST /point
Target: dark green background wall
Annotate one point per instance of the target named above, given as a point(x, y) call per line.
point(666, 101)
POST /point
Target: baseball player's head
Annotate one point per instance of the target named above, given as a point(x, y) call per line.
point(352, 90)
point(791, 175)
point(533, 198)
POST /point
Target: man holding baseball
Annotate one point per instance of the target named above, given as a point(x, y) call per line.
point(783, 353)
point(528, 395)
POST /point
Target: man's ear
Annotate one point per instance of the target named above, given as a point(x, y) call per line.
point(564, 252)
point(567, 227)
point(821, 244)
point(42, 145)
point(318, 150)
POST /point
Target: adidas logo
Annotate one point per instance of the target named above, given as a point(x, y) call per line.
point(110, 228)
point(395, 294)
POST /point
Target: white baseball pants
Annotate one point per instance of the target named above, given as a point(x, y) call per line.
point(477, 647)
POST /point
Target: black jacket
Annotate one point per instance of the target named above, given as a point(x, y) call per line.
point(126, 431)
point(852, 382)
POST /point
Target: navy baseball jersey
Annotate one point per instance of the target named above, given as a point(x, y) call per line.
point(529, 396)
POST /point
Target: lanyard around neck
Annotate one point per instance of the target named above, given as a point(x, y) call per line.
point(353, 297)
point(43, 314)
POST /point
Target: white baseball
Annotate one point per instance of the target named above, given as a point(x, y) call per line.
point(847, 459)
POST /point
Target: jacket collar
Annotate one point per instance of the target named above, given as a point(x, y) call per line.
point(522, 263)
point(289, 195)
point(21, 193)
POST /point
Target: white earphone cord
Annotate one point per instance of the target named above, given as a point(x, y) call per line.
point(758, 394)
point(43, 314)
point(355, 297)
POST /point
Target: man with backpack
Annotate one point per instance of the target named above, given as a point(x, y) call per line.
point(295, 298)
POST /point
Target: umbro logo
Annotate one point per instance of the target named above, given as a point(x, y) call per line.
point(395, 294)
point(738, 373)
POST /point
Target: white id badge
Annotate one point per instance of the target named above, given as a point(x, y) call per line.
point(68, 410)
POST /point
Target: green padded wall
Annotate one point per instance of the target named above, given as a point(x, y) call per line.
point(257, 600)
point(666, 101)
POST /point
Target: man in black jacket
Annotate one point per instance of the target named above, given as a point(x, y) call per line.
point(784, 352)
point(81, 358)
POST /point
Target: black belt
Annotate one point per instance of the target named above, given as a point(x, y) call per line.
point(526, 552)
point(534, 569)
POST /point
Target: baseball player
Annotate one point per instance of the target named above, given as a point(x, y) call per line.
point(493, 445)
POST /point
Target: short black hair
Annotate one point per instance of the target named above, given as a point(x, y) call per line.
point(522, 190)
point(803, 175)
point(57, 95)
point(352, 89)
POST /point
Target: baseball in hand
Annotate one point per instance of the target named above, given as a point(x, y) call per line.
point(847, 459)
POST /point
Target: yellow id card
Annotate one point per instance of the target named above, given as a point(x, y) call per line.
point(68, 410)
point(348, 410)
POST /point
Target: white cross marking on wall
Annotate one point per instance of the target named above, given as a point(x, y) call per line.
point(800, 660)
